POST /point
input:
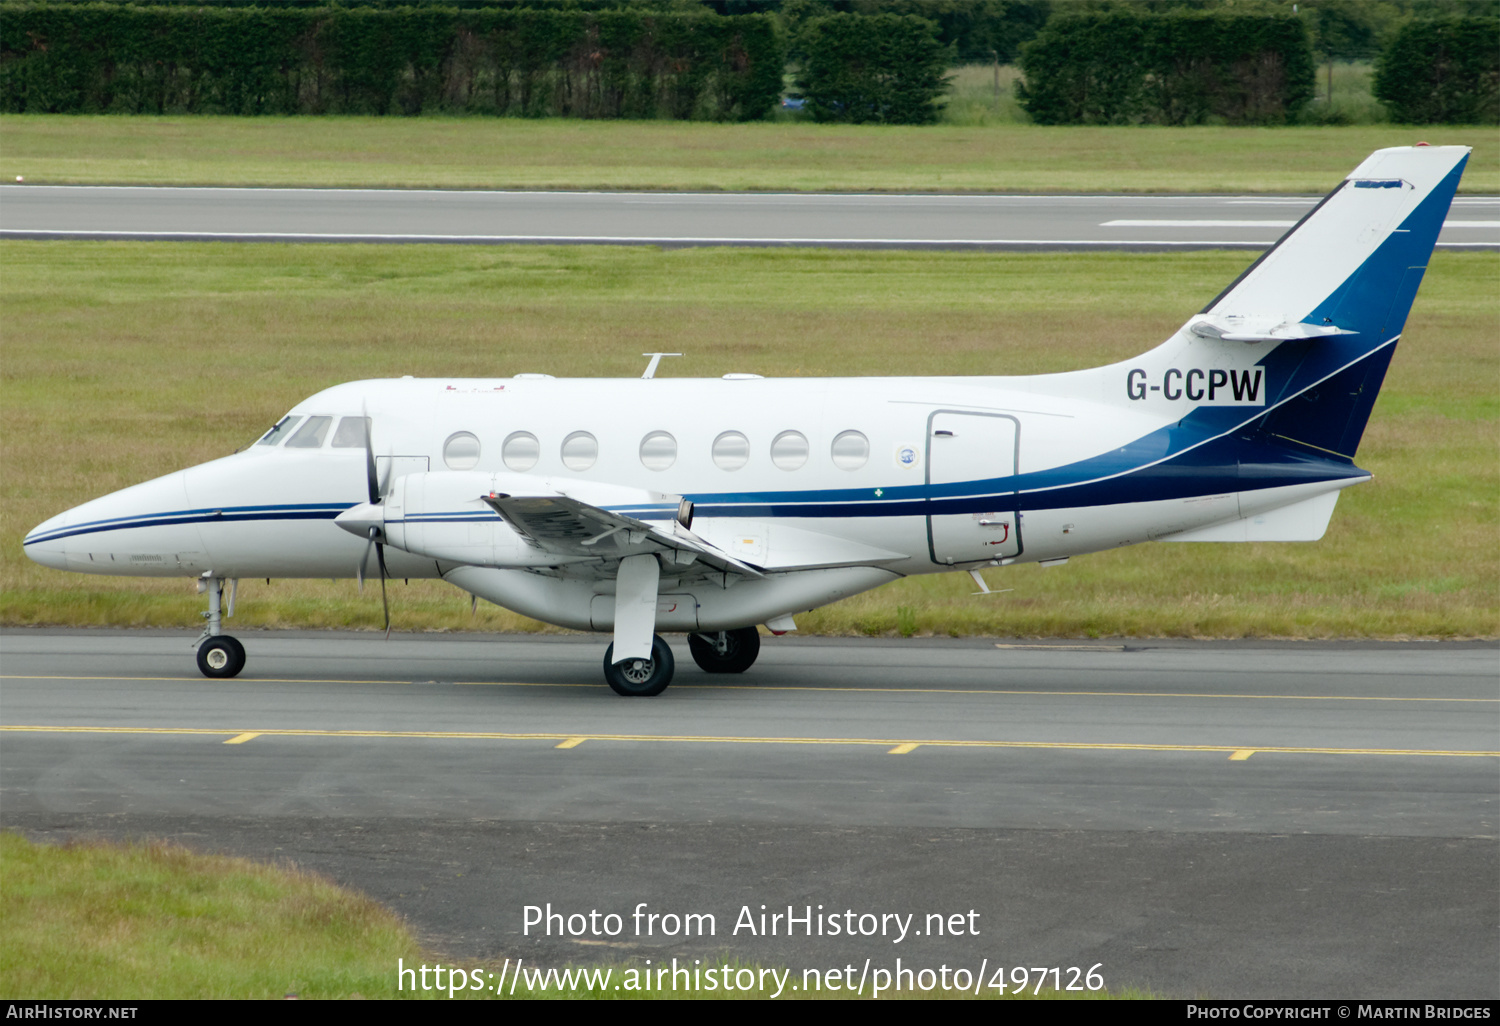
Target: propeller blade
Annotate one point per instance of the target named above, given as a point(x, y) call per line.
point(386, 606)
point(364, 561)
point(372, 480)
point(384, 603)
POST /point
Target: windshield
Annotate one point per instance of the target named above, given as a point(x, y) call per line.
point(280, 431)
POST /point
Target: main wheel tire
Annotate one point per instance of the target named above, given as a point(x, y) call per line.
point(640, 678)
point(735, 652)
point(221, 656)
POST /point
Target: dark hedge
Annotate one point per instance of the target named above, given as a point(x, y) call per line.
point(883, 68)
point(94, 58)
point(1184, 67)
point(1443, 71)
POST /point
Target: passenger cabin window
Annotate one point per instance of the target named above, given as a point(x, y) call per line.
point(311, 434)
point(278, 433)
point(461, 451)
point(521, 450)
point(850, 450)
point(351, 433)
point(789, 450)
point(658, 451)
point(580, 451)
point(731, 451)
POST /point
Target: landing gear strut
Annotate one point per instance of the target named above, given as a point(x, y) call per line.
point(640, 677)
point(725, 651)
point(219, 655)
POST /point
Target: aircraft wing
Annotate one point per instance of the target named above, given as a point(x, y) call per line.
point(572, 528)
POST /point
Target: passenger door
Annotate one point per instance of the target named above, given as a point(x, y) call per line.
point(974, 518)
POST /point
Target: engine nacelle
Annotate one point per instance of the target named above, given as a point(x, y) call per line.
point(440, 515)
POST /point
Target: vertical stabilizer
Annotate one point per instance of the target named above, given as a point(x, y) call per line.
point(1356, 260)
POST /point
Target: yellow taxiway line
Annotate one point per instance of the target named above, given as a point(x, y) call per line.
point(895, 746)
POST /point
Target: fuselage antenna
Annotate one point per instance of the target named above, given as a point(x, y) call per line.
point(655, 361)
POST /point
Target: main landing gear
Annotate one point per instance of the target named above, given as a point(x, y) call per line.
point(725, 651)
point(219, 655)
point(640, 677)
point(718, 652)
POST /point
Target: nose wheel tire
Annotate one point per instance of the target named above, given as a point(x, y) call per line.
point(221, 656)
point(725, 651)
point(640, 678)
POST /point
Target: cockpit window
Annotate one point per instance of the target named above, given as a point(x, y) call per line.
point(351, 433)
point(311, 434)
point(280, 431)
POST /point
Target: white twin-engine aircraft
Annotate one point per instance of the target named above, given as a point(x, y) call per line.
point(711, 506)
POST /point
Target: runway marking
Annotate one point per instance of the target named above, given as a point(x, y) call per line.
point(1242, 755)
point(902, 749)
point(240, 739)
point(889, 743)
point(1068, 648)
point(819, 690)
point(1139, 223)
point(573, 742)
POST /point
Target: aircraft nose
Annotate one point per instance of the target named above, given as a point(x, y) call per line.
point(47, 542)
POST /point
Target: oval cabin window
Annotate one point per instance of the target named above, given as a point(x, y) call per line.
point(461, 451)
point(658, 451)
point(850, 450)
point(789, 450)
point(521, 450)
point(731, 451)
point(580, 451)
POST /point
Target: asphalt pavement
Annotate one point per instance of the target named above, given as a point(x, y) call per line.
point(1201, 819)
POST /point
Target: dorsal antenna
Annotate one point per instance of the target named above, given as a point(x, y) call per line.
point(655, 362)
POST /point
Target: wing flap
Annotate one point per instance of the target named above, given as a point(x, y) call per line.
point(571, 527)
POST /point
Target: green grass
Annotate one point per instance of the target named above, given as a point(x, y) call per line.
point(983, 95)
point(156, 921)
point(123, 361)
point(1347, 99)
point(487, 153)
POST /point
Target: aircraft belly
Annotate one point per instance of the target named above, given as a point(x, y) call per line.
point(574, 603)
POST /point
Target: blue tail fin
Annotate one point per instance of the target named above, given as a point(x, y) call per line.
point(1346, 276)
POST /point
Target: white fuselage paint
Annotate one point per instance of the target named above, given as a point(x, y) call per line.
point(267, 511)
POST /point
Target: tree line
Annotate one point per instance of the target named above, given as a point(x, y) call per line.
point(1088, 61)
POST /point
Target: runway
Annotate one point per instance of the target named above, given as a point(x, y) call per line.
point(979, 222)
point(1209, 819)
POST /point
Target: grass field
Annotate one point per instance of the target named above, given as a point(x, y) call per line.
point(123, 361)
point(511, 153)
point(160, 922)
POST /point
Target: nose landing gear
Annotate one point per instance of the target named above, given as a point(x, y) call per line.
point(219, 655)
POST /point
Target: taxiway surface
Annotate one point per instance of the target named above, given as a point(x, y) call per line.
point(1203, 819)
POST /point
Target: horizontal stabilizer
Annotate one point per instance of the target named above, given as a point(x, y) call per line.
point(1281, 333)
